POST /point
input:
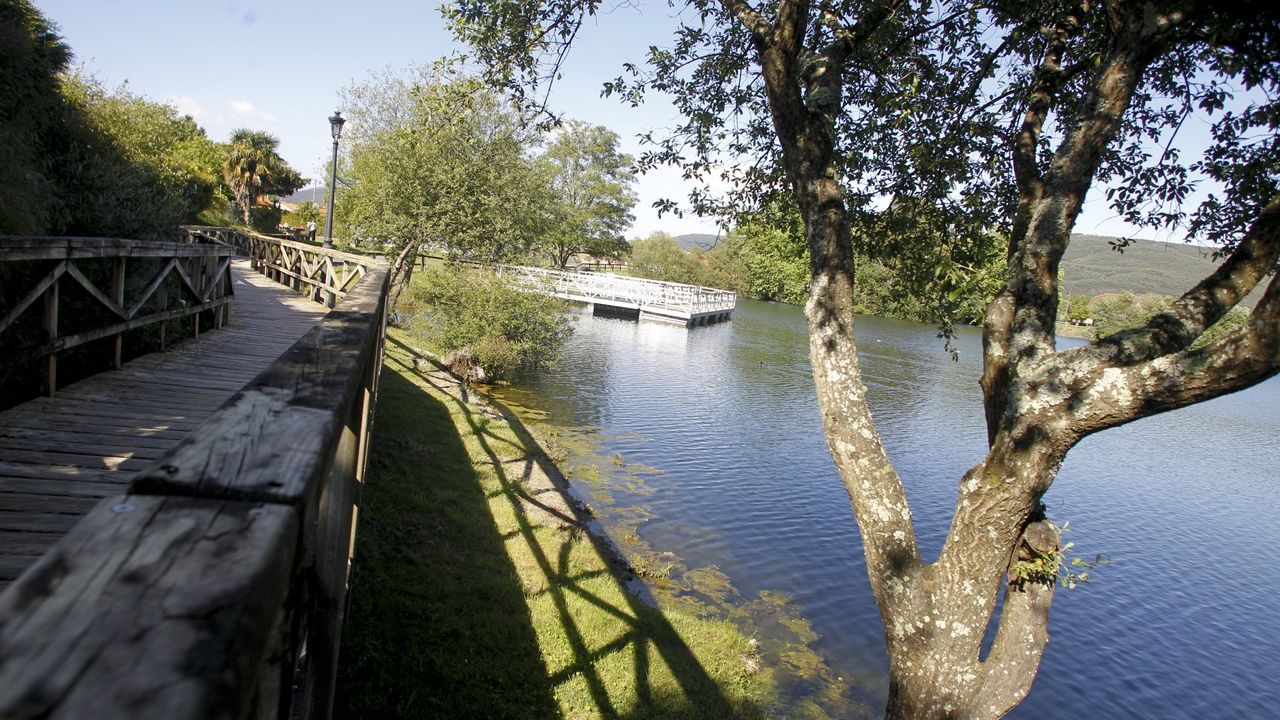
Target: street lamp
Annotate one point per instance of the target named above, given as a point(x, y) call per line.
point(335, 125)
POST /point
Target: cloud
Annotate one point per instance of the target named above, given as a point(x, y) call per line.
point(244, 110)
point(185, 106)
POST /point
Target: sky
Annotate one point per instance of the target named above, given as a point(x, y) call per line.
point(279, 68)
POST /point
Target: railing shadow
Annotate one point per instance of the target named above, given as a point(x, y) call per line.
point(522, 469)
point(422, 537)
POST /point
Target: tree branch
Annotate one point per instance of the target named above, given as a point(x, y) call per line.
point(1202, 306)
point(755, 23)
point(1011, 666)
point(1241, 358)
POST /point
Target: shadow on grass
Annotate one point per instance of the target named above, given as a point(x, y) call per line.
point(475, 602)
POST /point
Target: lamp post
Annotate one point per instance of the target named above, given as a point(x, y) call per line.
point(335, 126)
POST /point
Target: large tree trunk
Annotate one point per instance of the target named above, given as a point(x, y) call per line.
point(1038, 402)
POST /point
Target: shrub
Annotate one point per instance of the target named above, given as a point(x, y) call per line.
point(506, 330)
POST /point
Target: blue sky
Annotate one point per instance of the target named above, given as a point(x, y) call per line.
point(278, 68)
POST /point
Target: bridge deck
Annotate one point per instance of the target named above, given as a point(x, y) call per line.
point(59, 456)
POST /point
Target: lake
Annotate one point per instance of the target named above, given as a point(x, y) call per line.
point(722, 424)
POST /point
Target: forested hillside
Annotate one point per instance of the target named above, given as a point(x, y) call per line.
point(1092, 267)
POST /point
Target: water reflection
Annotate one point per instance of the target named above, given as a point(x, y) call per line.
point(1183, 625)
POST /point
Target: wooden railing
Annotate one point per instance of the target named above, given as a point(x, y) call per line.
point(324, 274)
point(199, 272)
point(216, 586)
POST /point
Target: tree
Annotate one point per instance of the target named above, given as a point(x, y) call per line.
point(31, 106)
point(1001, 116)
point(253, 168)
point(446, 164)
point(592, 182)
point(76, 158)
point(659, 257)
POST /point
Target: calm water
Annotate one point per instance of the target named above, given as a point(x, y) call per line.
point(1184, 624)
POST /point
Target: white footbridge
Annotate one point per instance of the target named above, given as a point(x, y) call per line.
point(623, 296)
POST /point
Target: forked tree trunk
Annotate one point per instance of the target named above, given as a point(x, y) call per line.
point(401, 273)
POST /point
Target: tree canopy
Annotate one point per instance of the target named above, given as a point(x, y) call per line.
point(591, 180)
point(76, 158)
point(994, 120)
point(253, 168)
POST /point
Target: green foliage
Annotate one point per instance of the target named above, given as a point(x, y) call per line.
point(31, 108)
point(265, 219)
point(1077, 308)
point(591, 182)
point(658, 257)
point(442, 161)
point(306, 212)
point(776, 262)
point(1113, 313)
point(78, 159)
point(506, 330)
point(252, 168)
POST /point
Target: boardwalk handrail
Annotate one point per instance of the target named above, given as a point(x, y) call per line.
point(203, 283)
point(220, 578)
point(322, 273)
point(622, 288)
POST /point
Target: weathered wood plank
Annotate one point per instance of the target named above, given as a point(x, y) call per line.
point(12, 565)
point(149, 608)
point(271, 434)
point(25, 502)
point(23, 542)
point(94, 487)
point(38, 522)
point(55, 248)
point(50, 436)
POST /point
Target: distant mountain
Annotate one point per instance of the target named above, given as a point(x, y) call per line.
point(321, 195)
point(702, 241)
point(1092, 267)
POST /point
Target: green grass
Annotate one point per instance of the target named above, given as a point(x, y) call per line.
point(476, 592)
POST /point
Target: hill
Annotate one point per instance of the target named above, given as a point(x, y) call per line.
point(1092, 267)
point(702, 241)
point(319, 195)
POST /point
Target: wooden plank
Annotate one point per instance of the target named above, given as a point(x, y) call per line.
point(97, 415)
point(116, 461)
point(265, 444)
point(93, 487)
point(11, 566)
point(61, 248)
point(149, 608)
point(21, 542)
point(21, 502)
point(143, 448)
point(50, 437)
point(38, 522)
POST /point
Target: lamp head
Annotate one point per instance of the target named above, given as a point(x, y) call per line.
point(335, 123)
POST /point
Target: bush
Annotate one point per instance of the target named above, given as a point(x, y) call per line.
point(506, 330)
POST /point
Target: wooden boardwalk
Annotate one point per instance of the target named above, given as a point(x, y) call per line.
point(59, 456)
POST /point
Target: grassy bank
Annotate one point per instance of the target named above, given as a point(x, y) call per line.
point(477, 593)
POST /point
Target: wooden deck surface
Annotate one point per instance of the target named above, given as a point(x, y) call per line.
point(59, 456)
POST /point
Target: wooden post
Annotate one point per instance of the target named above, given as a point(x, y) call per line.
point(117, 294)
point(51, 332)
point(162, 295)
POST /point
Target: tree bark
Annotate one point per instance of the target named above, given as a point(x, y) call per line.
point(1038, 402)
point(401, 273)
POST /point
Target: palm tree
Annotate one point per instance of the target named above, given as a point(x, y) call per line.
point(252, 168)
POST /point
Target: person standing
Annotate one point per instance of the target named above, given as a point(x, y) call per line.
point(311, 230)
